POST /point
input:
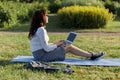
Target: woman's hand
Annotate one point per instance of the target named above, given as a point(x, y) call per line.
point(59, 43)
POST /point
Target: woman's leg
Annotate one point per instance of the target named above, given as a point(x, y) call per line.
point(76, 51)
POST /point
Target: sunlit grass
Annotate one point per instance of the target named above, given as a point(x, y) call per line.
point(13, 44)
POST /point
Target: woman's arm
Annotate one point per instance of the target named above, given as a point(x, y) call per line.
point(44, 43)
point(59, 43)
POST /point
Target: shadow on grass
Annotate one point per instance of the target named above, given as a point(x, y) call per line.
point(5, 62)
point(23, 27)
point(54, 26)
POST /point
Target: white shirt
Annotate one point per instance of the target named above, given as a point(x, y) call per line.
point(40, 41)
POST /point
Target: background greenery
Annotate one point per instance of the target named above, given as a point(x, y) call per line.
point(14, 42)
point(18, 11)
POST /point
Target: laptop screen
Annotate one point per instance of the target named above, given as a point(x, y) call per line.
point(71, 37)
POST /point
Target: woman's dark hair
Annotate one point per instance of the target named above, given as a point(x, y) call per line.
point(38, 20)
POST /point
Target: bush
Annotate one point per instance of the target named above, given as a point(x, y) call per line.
point(57, 4)
point(82, 3)
point(54, 5)
point(118, 11)
point(112, 6)
point(26, 10)
point(116, 0)
point(4, 17)
point(21, 12)
point(83, 17)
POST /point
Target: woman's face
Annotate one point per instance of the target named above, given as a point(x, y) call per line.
point(46, 16)
point(43, 18)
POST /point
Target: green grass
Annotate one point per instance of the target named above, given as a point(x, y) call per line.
point(13, 44)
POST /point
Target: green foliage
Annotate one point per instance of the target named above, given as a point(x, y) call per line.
point(112, 6)
point(82, 2)
point(54, 6)
point(83, 17)
point(116, 0)
point(21, 12)
point(57, 4)
point(4, 17)
point(28, 1)
point(118, 11)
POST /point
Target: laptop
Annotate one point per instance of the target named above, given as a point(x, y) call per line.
point(71, 37)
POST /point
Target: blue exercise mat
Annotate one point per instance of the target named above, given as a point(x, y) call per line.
point(75, 61)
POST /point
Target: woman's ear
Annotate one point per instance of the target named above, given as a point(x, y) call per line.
point(41, 24)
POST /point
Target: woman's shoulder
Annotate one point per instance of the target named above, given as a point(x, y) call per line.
point(40, 30)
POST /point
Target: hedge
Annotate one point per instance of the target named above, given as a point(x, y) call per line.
point(4, 17)
point(83, 17)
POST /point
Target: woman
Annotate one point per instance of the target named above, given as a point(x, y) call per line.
point(44, 51)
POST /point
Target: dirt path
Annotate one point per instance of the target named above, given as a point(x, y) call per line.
point(92, 33)
point(82, 33)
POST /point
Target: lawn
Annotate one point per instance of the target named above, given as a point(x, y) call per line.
point(15, 43)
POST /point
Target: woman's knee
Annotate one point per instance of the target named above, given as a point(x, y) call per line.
point(68, 47)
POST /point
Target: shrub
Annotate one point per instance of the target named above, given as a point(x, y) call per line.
point(4, 17)
point(57, 4)
point(21, 12)
point(83, 17)
point(54, 6)
point(118, 11)
point(112, 6)
point(116, 0)
point(82, 3)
